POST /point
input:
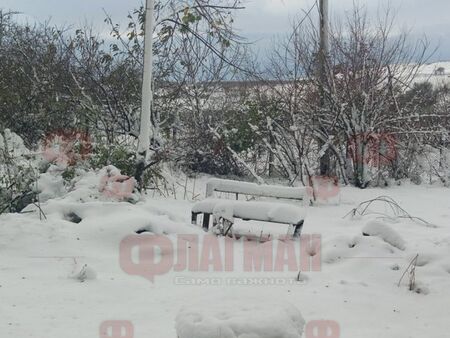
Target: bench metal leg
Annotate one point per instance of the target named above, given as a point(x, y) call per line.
point(226, 226)
point(298, 229)
point(206, 218)
point(194, 218)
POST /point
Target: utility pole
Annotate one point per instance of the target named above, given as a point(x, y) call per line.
point(324, 49)
point(147, 90)
point(146, 131)
point(324, 31)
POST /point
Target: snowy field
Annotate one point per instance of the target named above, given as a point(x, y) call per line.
point(427, 73)
point(59, 278)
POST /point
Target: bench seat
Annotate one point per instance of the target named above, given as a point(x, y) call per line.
point(259, 211)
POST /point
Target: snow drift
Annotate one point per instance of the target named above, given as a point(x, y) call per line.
point(240, 319)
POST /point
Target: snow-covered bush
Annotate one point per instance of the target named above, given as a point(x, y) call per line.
point(17, 174)
point(121, 156)
point(423, 163)
point(210, 155)
point(433, 164)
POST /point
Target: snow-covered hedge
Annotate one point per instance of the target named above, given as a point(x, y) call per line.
point(17, 173)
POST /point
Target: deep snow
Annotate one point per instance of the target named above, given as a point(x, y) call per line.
point(41, 294)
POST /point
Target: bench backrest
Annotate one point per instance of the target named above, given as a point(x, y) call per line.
point(247, 188)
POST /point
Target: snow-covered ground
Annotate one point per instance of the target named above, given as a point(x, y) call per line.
point(59, 278)
point(427, 73)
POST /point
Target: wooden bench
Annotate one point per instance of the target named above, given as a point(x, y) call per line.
point(264, 211)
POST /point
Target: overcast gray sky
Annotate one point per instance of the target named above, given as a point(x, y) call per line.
point(261, 20)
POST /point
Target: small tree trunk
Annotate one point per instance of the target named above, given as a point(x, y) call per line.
point(359, 165)
point(271, 156)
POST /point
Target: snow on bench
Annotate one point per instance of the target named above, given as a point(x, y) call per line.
point(274, 212)
point(234, 319)
point(258, 211)
point(247, 188)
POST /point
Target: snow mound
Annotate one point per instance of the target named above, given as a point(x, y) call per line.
point(346, 249)
point(240, 319)
point(50, 185)
point(385, 232)
point(106, 184)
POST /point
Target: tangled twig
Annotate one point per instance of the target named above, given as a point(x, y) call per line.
point(412, 273)
point(398, 212)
